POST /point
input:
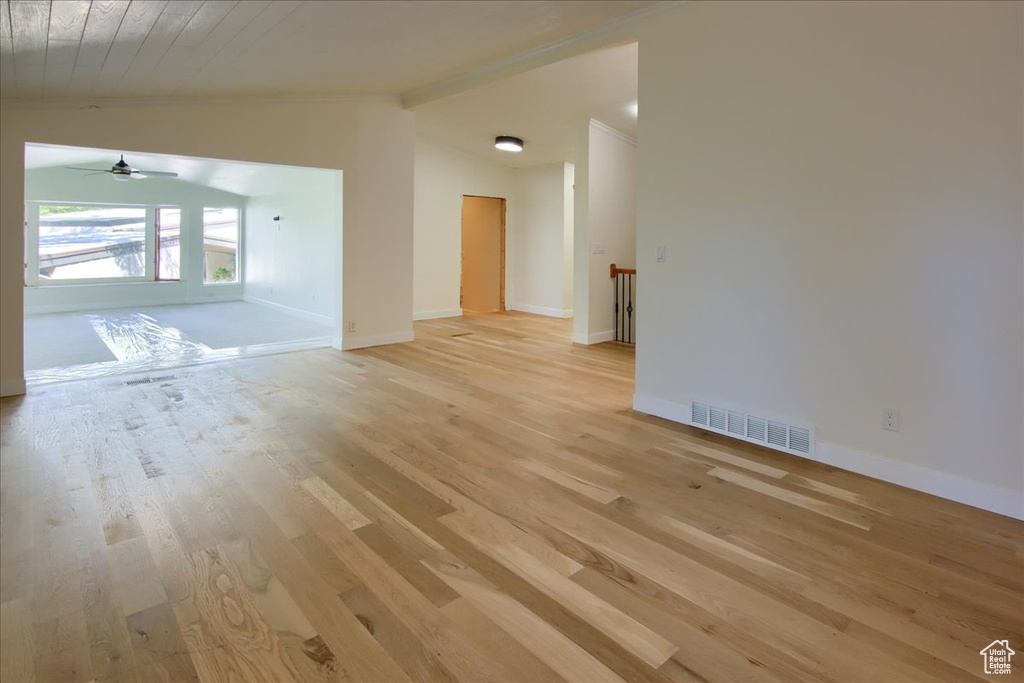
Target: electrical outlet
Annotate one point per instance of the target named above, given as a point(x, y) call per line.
point(891, 419)
point(351, 326)
point(598, 248)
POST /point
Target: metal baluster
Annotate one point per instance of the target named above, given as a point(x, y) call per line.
point(616, 307)
point(622, 281)
point(629, 309)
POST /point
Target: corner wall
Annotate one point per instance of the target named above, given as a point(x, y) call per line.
point(291, 262)
point(840, 191)
point(443, 176)
point(605, 227)
point(542, 266)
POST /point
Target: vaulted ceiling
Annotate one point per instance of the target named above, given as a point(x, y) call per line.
point(197, 48)
point(471, 69)
point(242, 178)
point(546, 107)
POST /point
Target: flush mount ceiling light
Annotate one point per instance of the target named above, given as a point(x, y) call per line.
point(508, 143)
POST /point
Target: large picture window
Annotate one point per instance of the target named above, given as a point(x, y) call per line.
point(220, 245)
point(85, 244)
point(91, 242)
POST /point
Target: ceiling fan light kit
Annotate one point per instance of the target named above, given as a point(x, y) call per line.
point(122, 171)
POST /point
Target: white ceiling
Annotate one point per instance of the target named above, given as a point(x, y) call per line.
point(231, 176)
point(197, 48)
point(203, 48)
point(545, 107)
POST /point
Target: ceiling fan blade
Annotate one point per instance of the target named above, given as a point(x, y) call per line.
point(97, 173)
point(79, 168)
point(168, 174)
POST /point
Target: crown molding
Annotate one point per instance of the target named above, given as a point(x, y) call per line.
point(101, 103)
point(615, 133)
point(617, 32)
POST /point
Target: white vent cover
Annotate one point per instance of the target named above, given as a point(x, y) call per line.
point(760, 430)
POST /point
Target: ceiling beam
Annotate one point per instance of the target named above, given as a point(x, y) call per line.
point(619, 32)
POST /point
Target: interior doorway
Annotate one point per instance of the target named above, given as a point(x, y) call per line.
point(483, 254)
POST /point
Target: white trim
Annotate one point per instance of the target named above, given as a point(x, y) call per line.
point(99, 103)
point(296, 312)
point(605, 128)
point(208, 298)
point(942, 484)
point(12, 387)
point(44, 309)
point(977, 494)
point(442, 313)
point(594, 338)
point(659, 407)
point(543, 310)
point(578, 43)
point(350, 343)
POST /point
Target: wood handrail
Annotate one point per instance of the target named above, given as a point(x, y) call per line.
point(623, 271)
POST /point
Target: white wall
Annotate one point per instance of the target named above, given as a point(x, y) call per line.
point(291, 262)
point(371, 140)
point(540, 241)
point(568, 230)
point(605, 206)
point(62, 185)
point(840, 189)
point(443, 175)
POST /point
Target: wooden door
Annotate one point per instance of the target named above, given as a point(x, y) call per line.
point(483, 254)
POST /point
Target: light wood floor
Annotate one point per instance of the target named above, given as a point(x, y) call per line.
point(480, 505)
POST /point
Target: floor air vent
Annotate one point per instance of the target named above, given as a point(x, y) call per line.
point(148, 380)
point(735, 423)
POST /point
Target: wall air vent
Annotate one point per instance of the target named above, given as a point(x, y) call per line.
point(699, 414)
point(782, 436)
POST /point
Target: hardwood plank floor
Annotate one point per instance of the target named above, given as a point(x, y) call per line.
point(479, 505)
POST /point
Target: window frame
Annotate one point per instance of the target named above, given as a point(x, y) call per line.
point(32, 278)
point(188, 218)
point(239, 244)
point(182, 242)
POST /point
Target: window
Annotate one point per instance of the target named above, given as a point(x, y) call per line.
point(71, 243)
point(91, 242)
point(220, 245)
point(168, 240)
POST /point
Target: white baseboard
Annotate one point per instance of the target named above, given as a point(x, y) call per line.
point(296, 312)
point(45, 309)
point(350, 343)
point(594, 338)
point(659, 407)
point(442, 313)
point(942, 484)
point(543, 310)
point(99, 306)
point(12, 387)
point(208, 299)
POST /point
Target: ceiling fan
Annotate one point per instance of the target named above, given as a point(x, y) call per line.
point(122, 171)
